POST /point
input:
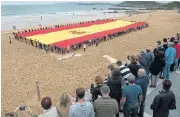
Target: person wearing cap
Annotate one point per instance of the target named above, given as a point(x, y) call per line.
point(105, 106)
point(170, 55)
point(115, 85)
point(131, 98)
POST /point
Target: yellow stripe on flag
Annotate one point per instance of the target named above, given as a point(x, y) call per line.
point(53, 37)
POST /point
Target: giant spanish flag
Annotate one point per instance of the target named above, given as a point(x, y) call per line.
point(73, 34)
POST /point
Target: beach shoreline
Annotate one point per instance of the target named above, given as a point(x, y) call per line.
point(23, 64)
point(77, 19)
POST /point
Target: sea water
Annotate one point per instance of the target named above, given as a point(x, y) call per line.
point(24, 16)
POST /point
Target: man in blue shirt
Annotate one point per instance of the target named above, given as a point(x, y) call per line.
point(170, 55)
point(143, 82)
point(81, 108)
point(131, 98)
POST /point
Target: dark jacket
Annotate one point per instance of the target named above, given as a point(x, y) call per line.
point(164, 101)
point(115, 88)
point(143, 82)
point(146, 59)
point(134, 67)
point(165, 46)
point(95, 92)
point(159, 63)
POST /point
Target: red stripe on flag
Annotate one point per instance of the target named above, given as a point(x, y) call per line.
point(65, 43)
point(39, 32)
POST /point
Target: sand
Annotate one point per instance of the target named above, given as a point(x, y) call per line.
point(22, 64)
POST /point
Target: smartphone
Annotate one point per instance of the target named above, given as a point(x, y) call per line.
point(22, 107)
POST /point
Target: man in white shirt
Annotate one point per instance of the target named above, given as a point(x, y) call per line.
point(84, 47)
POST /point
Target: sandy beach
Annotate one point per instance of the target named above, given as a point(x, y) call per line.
point(23, 65)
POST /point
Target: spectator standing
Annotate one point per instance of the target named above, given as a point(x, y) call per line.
point(105, 106)
point(170, 55)
point(134, 66)
point(9, 40)
point(48, 111)
point(124, 70)
point(68, 48)
point(84, 47)
point(81, 108)
point(36, 43)
point(144, 61)
point(165, 44)
point(150, 58)
point(177, 47)
point(52, 49)
point(74, 46)
point(110, 69)
point(97, 42)
point(143, 82)
point(157, 66)
point(164, 101)
point(95, 91)
point(114, 84)
point(64, 105)
point(131, 98)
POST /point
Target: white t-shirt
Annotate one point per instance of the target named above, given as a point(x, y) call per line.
point(52, 112)
point(84, 45)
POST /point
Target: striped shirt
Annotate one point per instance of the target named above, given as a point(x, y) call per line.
point(125, 71)
point(106, 107)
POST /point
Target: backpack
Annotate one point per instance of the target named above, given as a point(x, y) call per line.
point(150, 58)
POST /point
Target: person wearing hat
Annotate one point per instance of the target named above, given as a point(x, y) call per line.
point(105, 106)
point(131, 98)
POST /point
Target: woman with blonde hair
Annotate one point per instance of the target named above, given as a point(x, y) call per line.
point(64, 105)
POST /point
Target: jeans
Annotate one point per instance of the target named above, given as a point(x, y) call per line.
point(142, 108)
point(166, 71)
point(130, 110)
point(147, 74)
point(154, 80)
point(176, 64)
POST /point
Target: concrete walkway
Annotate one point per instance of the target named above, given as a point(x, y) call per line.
point(175, 79)
point(152, 92)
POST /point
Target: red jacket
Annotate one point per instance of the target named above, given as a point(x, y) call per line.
point(177, 47)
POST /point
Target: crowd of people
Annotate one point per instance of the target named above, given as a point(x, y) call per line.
point(125, 87)
point(70, 48)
